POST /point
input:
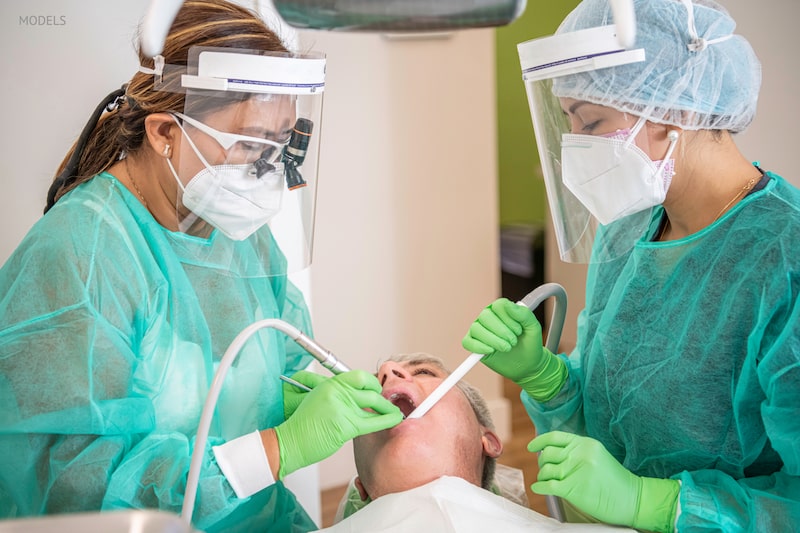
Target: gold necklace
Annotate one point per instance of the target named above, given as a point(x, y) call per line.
point(133, 182)
point(749, 185)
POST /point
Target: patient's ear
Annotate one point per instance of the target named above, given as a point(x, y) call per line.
point(492, 447)
point(360, 488)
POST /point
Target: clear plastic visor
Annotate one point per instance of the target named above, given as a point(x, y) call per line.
point(246, 163)
point(548, 65)
point(580, 236)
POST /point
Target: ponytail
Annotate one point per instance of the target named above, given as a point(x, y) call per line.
point(69, 173)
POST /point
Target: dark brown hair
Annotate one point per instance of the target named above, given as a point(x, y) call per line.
point(120, 130)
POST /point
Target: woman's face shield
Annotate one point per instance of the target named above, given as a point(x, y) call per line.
point(246, 160)
point(548, 63)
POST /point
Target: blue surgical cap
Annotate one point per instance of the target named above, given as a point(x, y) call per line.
point(703, 79)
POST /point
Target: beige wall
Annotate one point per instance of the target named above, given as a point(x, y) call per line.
point(406, 245)
point(771, 28)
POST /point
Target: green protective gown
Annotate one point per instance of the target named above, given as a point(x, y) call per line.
point(687, 365)
point(111, 329)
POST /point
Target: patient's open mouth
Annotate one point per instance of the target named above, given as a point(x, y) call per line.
point(403, 402)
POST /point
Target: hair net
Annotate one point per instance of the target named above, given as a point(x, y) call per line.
point(696, 74)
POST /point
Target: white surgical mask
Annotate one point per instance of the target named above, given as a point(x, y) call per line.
point(230, 197)
point(611, 176)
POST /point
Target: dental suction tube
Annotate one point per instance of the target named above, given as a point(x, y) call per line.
point(448, 383)
point(531, 301)
point(325, 357)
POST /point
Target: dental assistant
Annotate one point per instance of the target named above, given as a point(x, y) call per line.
point(678, 408)
point(169, 228)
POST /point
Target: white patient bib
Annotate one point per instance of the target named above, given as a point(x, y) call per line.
point(451, 504)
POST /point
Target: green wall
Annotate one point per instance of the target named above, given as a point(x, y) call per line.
point(522, 194)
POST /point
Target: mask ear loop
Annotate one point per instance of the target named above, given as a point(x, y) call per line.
point(634, 132)
point(194, 147)
point(673, 141)
point(185, 223)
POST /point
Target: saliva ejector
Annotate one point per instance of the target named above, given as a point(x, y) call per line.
point(531, 301)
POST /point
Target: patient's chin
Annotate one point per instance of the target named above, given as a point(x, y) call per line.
point(410, 457)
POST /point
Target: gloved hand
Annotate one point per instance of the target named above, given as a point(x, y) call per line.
point(332, 414)
point(581, 470)
point(511, 337)
point(293, 396)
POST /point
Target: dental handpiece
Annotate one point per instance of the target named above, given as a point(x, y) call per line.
point(326, 358)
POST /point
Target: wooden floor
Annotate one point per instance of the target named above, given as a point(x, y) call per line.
point(515, 454)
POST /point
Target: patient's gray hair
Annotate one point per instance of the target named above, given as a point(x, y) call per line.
point(475, 399)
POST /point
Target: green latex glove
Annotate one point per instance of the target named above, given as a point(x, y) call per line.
point(293, 396)
point(332, 414)
point(511, 337)
point(581, 470)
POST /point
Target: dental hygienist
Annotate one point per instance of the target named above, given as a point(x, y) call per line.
point(678, 409)
point(169, 228)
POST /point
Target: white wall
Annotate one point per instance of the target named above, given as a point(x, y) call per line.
point(406, 245)
point(54, 75)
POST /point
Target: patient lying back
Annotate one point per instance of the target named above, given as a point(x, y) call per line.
point(437, 472)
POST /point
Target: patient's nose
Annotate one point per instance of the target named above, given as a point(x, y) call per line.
point(391, 370)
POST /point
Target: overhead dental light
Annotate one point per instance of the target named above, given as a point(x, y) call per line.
point(381, 16)
point(398, 15)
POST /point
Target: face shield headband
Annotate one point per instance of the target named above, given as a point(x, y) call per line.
point(248, 168)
